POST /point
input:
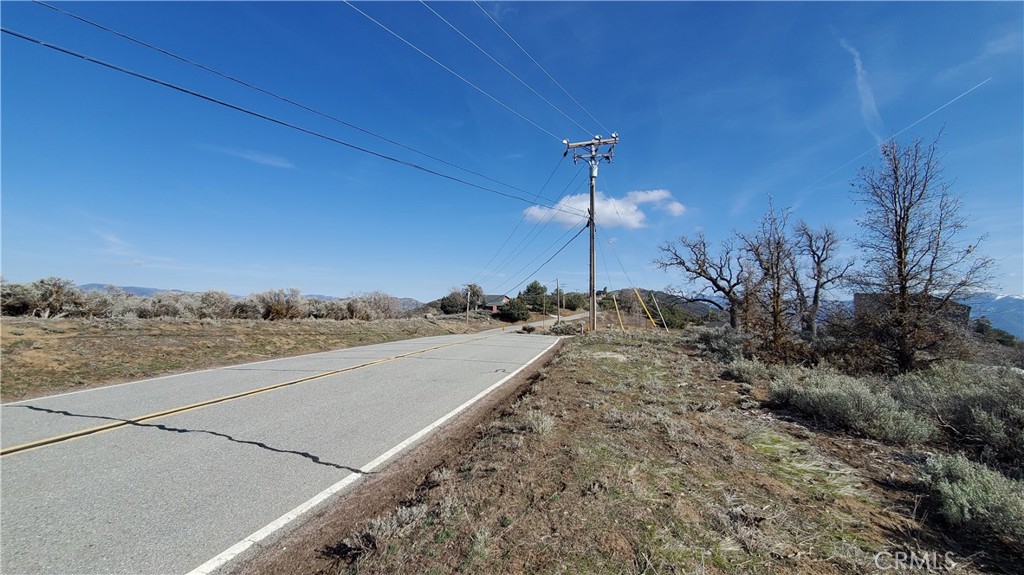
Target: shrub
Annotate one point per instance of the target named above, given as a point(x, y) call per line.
point(104, 303)
point(575, 301)
point(17, 299)
point(452, 303)
point(515, 310)
point(747, 371)
point(174, 304)
point(849, 403)
point(281, 304)
point(214, 304)
point(327, 309)
point(373, 305)
point(982, 403)
point(972, 496)
point(565, 328)
point(246, 308)
point(49, 297)
point(724, 344)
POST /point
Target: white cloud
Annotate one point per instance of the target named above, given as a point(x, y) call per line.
point(261, 158)
point(114, 245)
point(622, 212)
point(988, 57)
point(868, 108)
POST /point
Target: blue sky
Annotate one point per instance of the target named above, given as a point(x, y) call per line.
point(111, 179)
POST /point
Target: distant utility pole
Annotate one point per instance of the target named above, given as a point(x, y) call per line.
point(591, 151)
point(558, 308)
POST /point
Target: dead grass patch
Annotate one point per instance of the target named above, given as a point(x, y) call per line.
point(652, 464)
point(43, 357)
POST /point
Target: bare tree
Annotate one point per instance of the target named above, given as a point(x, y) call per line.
point(724, 272)
point(820, 247)
point(771, 289)
point(914, 264)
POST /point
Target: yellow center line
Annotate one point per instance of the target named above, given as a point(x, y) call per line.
point(39, 443)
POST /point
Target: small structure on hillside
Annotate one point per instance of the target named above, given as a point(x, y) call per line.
point(493, 302)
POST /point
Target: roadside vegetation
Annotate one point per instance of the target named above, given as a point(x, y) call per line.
point(655, 452)
point(60, 298)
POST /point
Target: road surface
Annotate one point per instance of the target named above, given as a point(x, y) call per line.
point(176, 474)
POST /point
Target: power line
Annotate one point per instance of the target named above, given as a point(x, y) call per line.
point(529, 238)
point(523, 217)
point(272, 119)
point(510, 72)
point(274, 95)
point(547, 261)
point(577, 102)
point(453, 72)
point(893, 137)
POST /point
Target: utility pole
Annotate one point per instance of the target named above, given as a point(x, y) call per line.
point(558, 308)
point(591, 151)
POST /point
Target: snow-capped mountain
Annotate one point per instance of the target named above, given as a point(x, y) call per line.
point(1006, 312)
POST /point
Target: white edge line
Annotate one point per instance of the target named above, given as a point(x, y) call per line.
point(238, 548)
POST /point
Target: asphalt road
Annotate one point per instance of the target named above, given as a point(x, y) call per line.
point(167, 475)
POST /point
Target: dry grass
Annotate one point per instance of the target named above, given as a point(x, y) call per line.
point(632, 455)
point(42, 357)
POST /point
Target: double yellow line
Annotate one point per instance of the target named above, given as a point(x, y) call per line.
point(167, 413)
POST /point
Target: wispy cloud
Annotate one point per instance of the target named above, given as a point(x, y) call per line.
point(622, 212)
point(124, 253)
point(114, 245)
point(261, 158)
point(868, 108)
point(1000, 45)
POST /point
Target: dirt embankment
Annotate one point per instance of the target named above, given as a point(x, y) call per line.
point(631, 454)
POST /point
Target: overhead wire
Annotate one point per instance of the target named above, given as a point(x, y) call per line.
point(893, 137)
point(273, 120)
point(523, 217)
point(556, 207)
point(547, 261)
point(552, 78)
point(515, 251)
point(503, 67)
point(529, 238)
point(453, 72)
point(279, 97)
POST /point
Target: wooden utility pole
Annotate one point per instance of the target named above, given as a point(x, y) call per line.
point(591, 151)
point(558, 308)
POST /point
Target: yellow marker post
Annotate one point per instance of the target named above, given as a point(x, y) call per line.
point(614, 301)
point(643, 305)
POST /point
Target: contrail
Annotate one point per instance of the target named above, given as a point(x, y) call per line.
point(873, 148)
point(868, 108)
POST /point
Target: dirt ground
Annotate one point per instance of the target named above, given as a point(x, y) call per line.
point(630, 453)
point(42, 357)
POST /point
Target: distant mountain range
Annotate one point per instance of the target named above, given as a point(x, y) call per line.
point(134, 290)
point(404, 303)
point(1006, 312)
